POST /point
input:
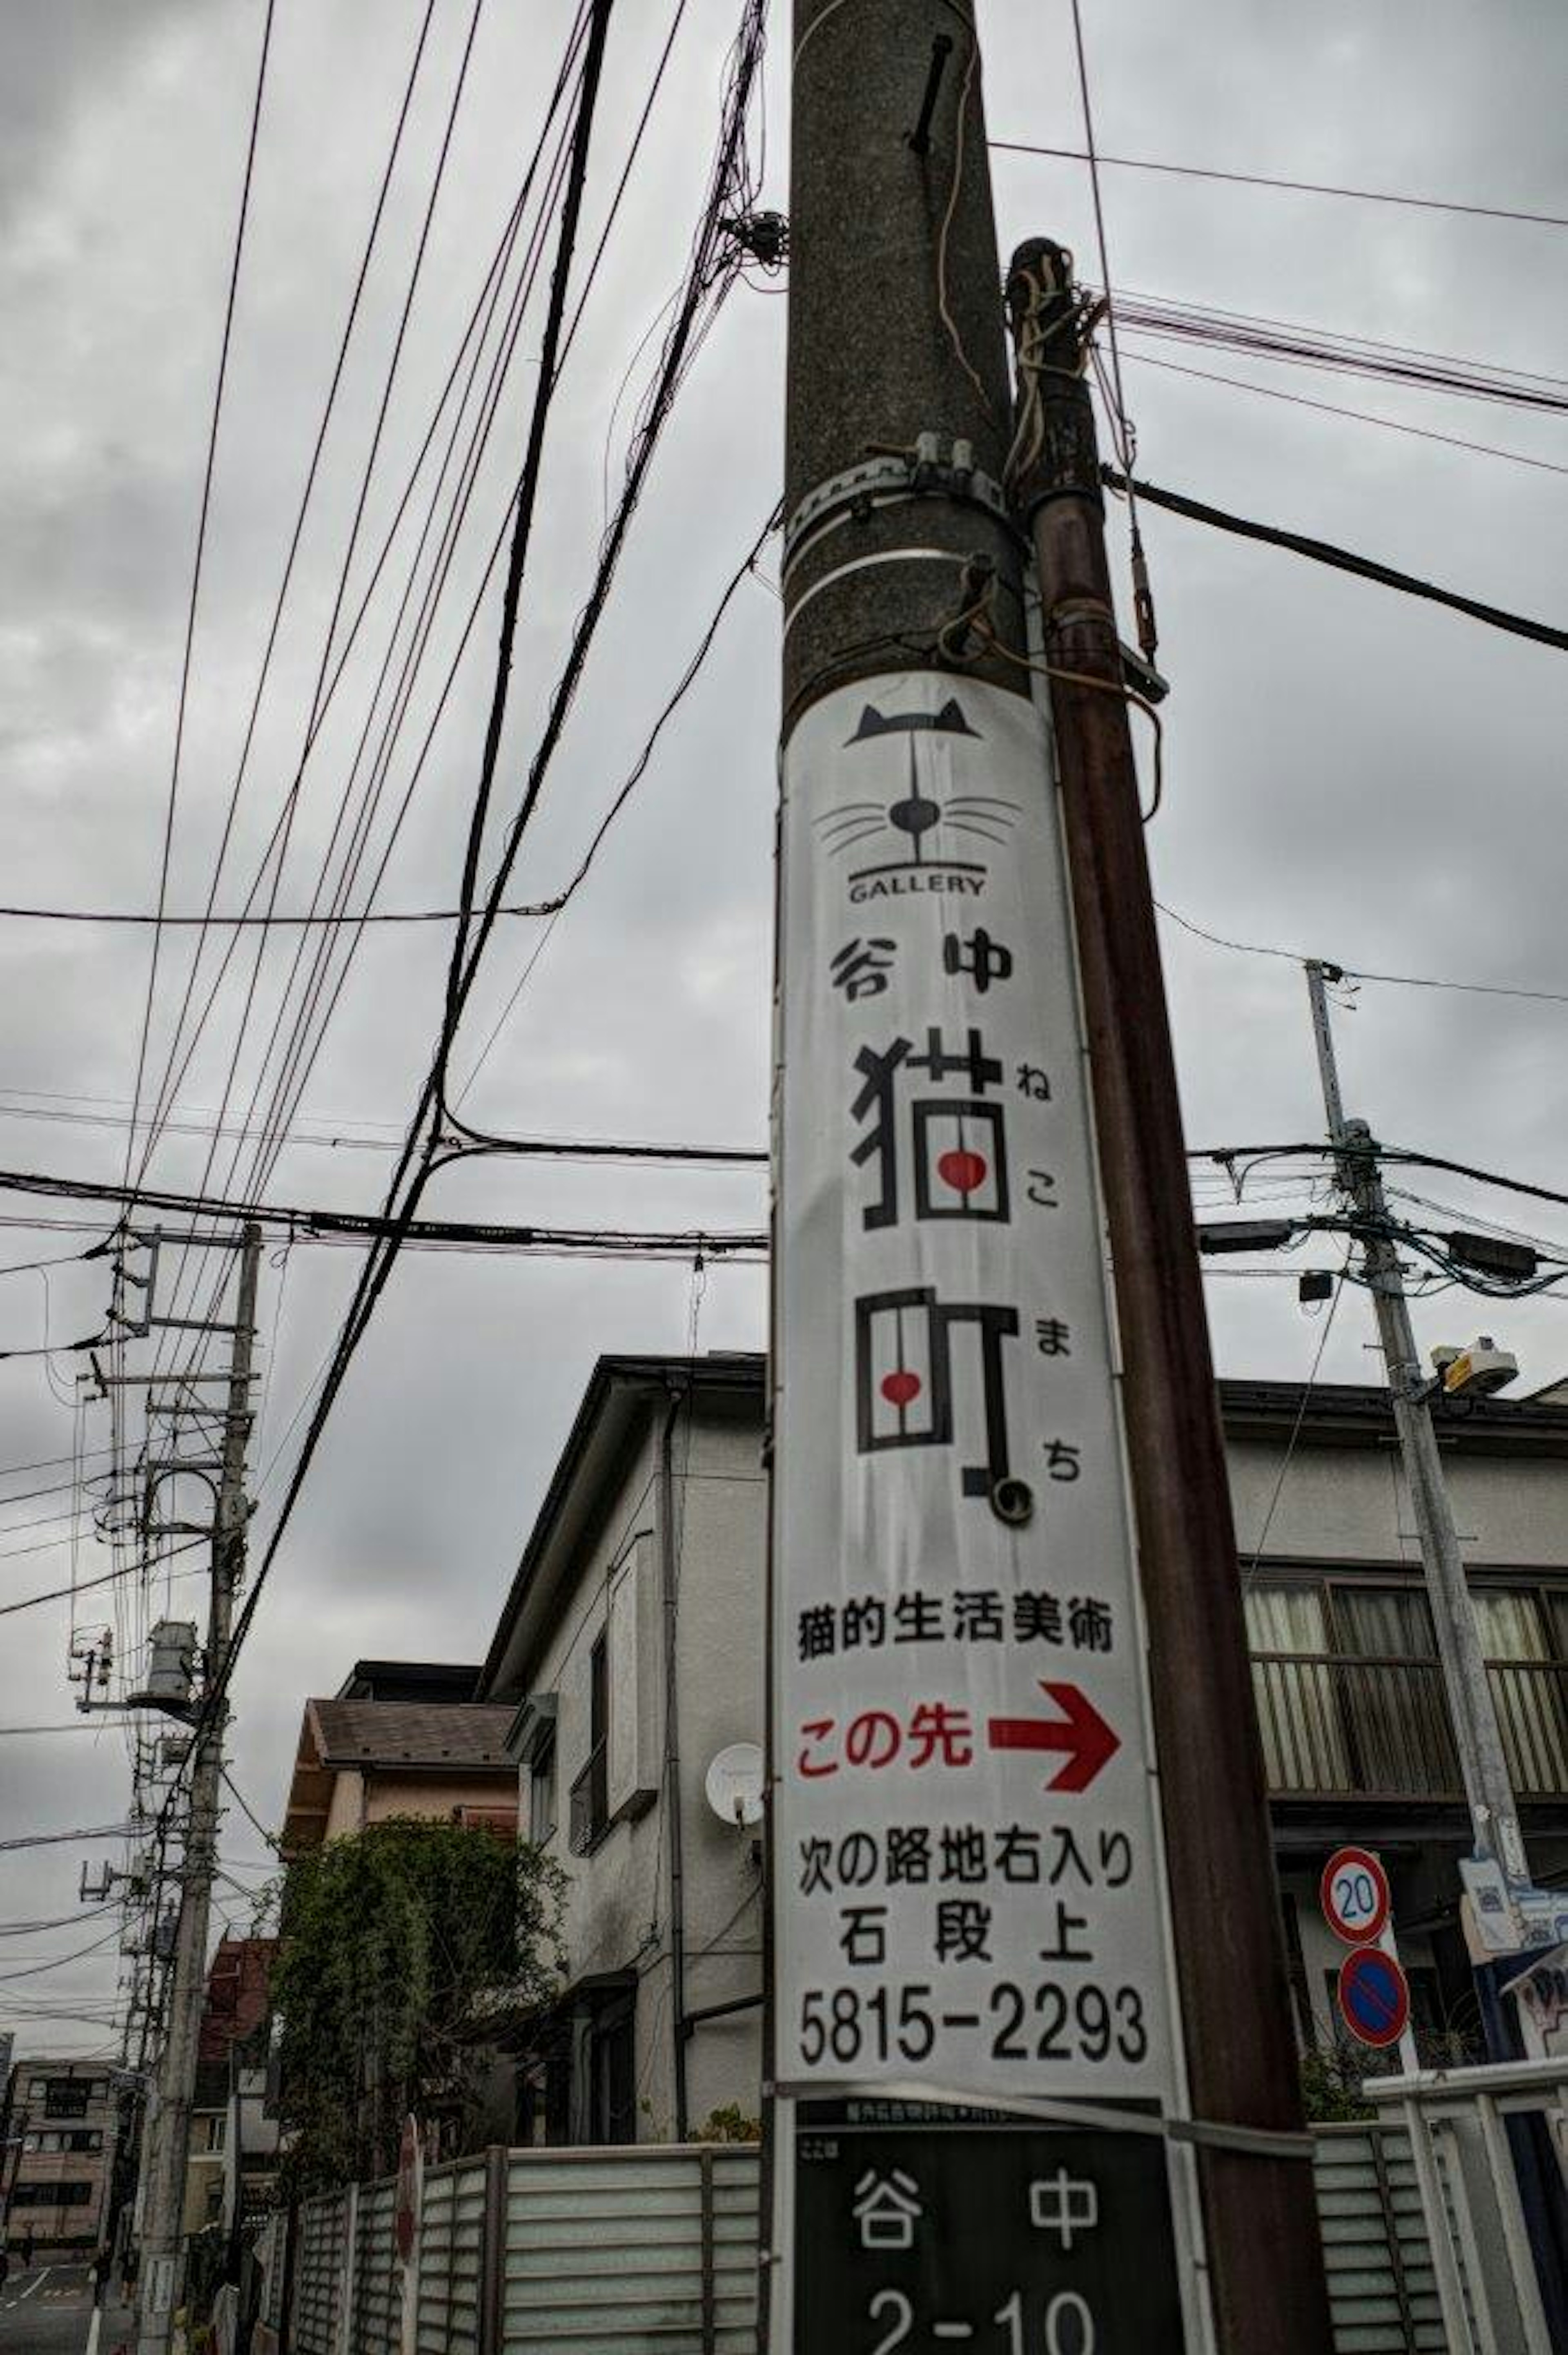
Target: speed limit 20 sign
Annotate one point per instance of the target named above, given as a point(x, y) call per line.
point(1355, 1896)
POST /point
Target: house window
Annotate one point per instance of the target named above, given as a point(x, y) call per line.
point(591, 1792)
point(1391, 1690)
point(1293, 1687)
point(53, 2195)
point(1350, 1694)
point(1530, 1688)
point(541, 1792)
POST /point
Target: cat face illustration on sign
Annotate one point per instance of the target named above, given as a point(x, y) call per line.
point(917, 838)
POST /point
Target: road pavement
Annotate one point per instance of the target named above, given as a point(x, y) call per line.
point(47, 2310)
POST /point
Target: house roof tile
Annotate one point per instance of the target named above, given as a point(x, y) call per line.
point(411, 1733)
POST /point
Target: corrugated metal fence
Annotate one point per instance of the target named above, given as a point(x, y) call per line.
point(1383, 2291)
point(654, 2251)
point(603, 2253)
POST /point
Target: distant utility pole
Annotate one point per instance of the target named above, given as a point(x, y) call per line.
point(1494, 1811)
point(166, 2138)
point(993, 2113)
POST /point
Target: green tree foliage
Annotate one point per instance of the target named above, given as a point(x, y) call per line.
point(1331, 2084)
point(405, 1953)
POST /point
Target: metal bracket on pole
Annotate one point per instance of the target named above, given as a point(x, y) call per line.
point(885, 479)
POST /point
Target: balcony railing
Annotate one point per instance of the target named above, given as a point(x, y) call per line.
point(1338, 1724)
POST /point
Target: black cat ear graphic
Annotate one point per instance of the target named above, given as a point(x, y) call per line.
point(948, 722)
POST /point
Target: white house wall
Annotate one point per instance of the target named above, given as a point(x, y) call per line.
point(1350, 1504)
point(720, 1553)
point(617, 1904)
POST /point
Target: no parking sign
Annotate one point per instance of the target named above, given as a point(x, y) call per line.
point(1374, 1997)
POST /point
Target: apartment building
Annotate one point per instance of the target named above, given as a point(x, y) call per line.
point(58, 2156)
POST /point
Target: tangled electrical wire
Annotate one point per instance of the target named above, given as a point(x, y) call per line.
point(713, 267)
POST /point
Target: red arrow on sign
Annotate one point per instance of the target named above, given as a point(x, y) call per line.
point(1080, 1730)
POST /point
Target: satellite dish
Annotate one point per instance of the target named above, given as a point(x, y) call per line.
point(734, 1784)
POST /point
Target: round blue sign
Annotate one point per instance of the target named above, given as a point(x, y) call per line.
point(1374, 1997)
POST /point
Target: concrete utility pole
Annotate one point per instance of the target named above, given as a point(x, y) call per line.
point(1260, 2219)
point(938, 1298)
point(1483, 1763)
point(886, 234)
point(167, 2136)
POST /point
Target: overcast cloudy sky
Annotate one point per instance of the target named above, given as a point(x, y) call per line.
point(1348, 773)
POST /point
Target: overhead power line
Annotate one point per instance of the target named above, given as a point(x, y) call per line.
point(173, 800)
point(1293, 188)
point(713, 265)
point(59, 1962)
point(308, 1225)
point(248, 1812)
point(87, 1585)
point(69, 1725)
point(549, 906)
point(278, 922)
point(1360, 416)
point(58, 1839)
point(554, 907)
point(167, 1083)
point(1342, 559)
point(1154, 316)
point(57, 1922)
point(1365, 972)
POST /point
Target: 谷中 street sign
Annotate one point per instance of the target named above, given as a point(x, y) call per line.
point(938, 2230)
point(1374, 1997)
point(1354, 1895)
point(967, 1866)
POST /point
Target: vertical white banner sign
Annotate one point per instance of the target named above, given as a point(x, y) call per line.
point(966, 1867)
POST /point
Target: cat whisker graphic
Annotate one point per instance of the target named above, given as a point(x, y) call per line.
point(920, 829)
point(845, 823)
point(973, 826)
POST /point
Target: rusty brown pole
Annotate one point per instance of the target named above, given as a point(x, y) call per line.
point(1264, 2250)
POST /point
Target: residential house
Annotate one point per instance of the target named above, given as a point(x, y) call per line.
point(1356, 1735)
point(407, 1738)
point(58, 2156)
point(630, 1653)
point(400, 1738)
point(233, 2149)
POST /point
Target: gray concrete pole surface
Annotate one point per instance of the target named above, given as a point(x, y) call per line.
point(895, 332)
point(1483, 1763)
point(896, 429)
point(1263, 2249)
point(168, 2133)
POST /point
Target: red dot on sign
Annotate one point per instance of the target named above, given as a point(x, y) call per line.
point(900, 1388)
point(962, 1170)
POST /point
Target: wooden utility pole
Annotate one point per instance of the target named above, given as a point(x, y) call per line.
point(1261, 2227)
point(166, 2138)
